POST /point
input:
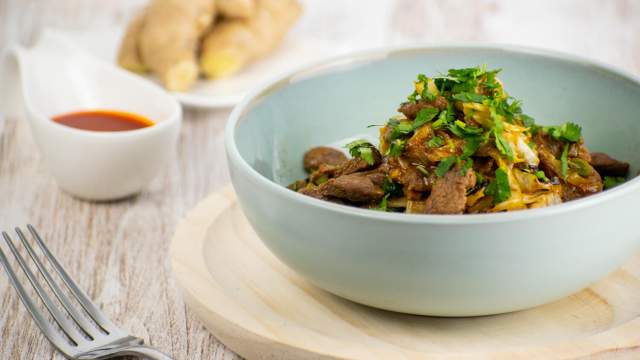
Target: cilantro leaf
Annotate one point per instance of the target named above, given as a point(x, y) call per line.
point(383, 204)
point(390, 187)
point(527, 120)
point(503, 145)
point(490, 81)
point(362, 149)
point(569, 132)
point(466, 165)
point(396, 147)
point(461, 129)
point(469, 97)
point(508, 107)
point(444, 165)
point(367, 155)
point(446, 117)
point(499, 187)
point(459, 80)
point(541, 176)
point(424, 116)
point(435, 142)
point(564, 161)
point(498, 127)
point(399, 128)
point(471, 145)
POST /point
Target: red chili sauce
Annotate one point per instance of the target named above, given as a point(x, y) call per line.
point(103, 120)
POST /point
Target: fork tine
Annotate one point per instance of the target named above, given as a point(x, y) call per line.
point(47, 329)
point(88, 306)
point(85, 325)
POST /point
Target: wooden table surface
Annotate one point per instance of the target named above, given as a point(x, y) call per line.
point(118, 251)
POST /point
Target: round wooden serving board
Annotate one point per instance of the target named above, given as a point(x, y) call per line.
point(262, 310)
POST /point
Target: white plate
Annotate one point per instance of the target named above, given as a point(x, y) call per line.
point(295, 51)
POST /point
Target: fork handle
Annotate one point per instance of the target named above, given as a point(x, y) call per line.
point(143, 351)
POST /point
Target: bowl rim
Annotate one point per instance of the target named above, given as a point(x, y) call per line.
point(362, 57)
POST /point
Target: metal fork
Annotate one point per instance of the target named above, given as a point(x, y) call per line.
point(79, 338)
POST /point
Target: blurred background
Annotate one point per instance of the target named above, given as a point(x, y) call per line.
point(605, 30)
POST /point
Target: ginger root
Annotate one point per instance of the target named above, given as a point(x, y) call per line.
point(233, 43)
point(239, 9)
point(129, 54)
point(167, 38)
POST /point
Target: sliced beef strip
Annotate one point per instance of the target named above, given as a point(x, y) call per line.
point(414, 182)
point(315, 192)
point(410, 109)
point(323, 173)
point(322, 155)
point(357, 188)
point(555, 147)
point(484, 165)
point(585, 186)
point(354, 165)
point(449, 194)
point(358, 164)
point(579, 150)
point(606, 165)
point(549, 152)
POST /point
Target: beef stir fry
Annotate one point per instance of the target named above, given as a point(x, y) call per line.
point(460, 145)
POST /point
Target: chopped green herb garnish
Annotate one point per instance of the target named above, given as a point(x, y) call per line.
point(498, 128)
point(399, 128)
point(396, 147)
point(424, 116)
point(564, 161)
point(527, 120)
point(491, 82)
point(471, 145)
point(446, 116)
point(502, 145)
point(461, 129)
point(362, 149)
point(383, 204)
point(613, 181)
point(445, 165)
point(466, 165)
point(568, 132)
point(390, 187)
point(460, 80)
point(508, 109)
point(403, 128)
point(541, 176)
point(435, 142)
point(469, 97)
point(499, 187)
point(367, 155)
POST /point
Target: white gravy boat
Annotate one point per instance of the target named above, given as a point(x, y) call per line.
point(55, 77)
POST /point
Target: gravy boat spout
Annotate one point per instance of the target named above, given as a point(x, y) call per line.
point(55, 78)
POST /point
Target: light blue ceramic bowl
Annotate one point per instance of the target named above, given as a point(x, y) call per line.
point(447, 265)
